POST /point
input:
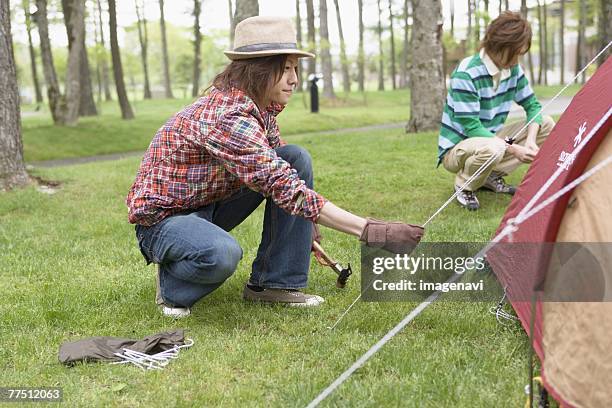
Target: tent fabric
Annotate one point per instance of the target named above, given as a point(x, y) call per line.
point(577, 340)
point(104, 348)
point(520, 271)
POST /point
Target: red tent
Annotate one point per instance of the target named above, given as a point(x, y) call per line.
point(572, 339)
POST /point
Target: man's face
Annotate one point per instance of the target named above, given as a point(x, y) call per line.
point(281, 92)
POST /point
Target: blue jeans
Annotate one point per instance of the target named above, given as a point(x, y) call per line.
point(196, 254)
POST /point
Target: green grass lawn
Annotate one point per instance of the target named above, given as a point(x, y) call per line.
point(72, 269)
point(107, 133)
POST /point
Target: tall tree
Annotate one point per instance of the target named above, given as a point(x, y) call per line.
point(507, 5)
point(197, 45)
point(231, 20)
point(476, 23)
point(87, 105)
point(164, 41)
point(64, 108)
point(580, 45)
point(12, 165)
point(124, 104)
point(403, 80)
point(470, 10)
point(499, 11)
point(143, 38)
point(28, 21)
point(310, 35)
point(346, 79)
point(561, 39)
point(298, 29)
point(381, 73)
point(245, 9)
point(545, 41)
point(540, 41)
point(326, 62)
point(452, 19)
point(360, 51)
point(604, 29)
point(529, 57)
point(392, 70)
point(105, 74)
point(426, 77)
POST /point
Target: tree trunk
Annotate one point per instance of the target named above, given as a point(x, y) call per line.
point(312, 45)
point(12, 166)
point(562, 40)
point(381, 73)
point(165, 63)
point(231, 21)
point(452, 19)
point(476, 14)
point(486, 14)
point(28, 21)
point(360, 52)
point(426, 76)
point(393, 71)
point(126, 109)
point(540, 41)
point(245, 9)
point(346, 79)
point(403, 80)
point(580, 54)
point(105, 73)
point(298, 29)
point(545, 42)
point(97, 54)
point(64, 109)
point(87, 105)
point(143, 38)
point(73, 93)
point(195, 89)
point(469, 27)
point(529, 58)
point(604, 29)
point(326, 62)
point(499, 11)
point(54, 96)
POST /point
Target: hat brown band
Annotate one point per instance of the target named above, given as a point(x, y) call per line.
point(266, 47)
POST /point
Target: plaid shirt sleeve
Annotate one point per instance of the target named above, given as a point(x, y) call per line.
point(240, 143)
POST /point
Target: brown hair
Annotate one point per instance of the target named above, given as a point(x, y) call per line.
point(507, 35)
point(254, 76)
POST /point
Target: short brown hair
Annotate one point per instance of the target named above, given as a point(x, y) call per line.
point(254, 76)
point(509, 33)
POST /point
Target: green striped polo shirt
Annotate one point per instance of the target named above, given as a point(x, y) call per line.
point(475, 107)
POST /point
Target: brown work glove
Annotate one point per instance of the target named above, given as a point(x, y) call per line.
point(396, 237)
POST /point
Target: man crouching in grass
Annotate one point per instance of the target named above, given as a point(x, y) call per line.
point(481, 92)
point(211, 165)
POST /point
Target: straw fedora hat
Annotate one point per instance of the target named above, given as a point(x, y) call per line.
point(264, 36)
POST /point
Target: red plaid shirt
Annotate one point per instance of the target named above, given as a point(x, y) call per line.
point(207, 152)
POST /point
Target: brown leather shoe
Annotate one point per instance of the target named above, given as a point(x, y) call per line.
point(396, 237)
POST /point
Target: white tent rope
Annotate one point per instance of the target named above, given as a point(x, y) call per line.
point(481, 170)
point(434, 296)
point(151, 361)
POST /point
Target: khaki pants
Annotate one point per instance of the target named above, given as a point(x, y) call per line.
point(470, 154)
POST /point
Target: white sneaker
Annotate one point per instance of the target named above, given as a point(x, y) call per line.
point(175, 312)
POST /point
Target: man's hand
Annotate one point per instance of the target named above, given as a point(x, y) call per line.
point(532, 146)
point(522, 153)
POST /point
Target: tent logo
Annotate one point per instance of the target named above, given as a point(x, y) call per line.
point(566, 159)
